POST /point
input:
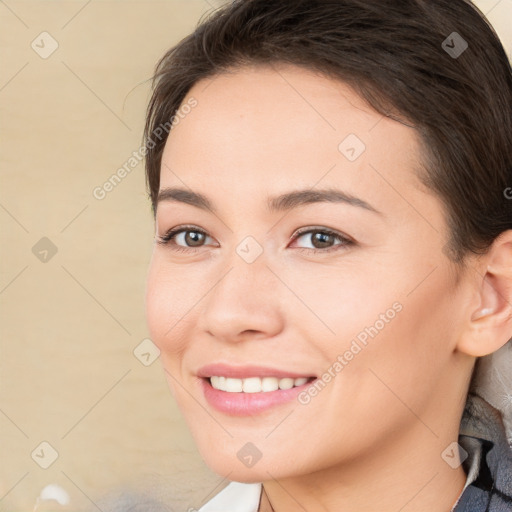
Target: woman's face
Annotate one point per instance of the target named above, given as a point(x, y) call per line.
point(353, 289)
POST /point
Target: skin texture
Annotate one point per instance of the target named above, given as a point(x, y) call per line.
point(372, 439)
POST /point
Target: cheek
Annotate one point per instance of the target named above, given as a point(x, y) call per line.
point(165, 305)
point(339, 303)
point(404, 357)
point(386, 322)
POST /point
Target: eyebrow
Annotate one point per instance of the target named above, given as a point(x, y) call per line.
point(281, 203)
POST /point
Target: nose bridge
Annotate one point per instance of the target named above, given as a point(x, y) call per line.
point(243, 297)
point(245, 277)
point(245, 268)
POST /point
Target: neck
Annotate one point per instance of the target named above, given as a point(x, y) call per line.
point(408, 474)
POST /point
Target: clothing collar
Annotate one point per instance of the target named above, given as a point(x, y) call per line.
point(482, 435)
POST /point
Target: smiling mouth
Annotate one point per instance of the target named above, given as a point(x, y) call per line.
point(256, 384)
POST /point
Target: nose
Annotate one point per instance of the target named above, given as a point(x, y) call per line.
point(244, 303)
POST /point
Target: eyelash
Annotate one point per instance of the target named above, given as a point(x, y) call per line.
point(168, 239)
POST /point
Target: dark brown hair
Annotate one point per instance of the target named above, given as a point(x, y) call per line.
point(402, 58)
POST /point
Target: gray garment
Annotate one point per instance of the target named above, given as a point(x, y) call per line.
point(489, 463)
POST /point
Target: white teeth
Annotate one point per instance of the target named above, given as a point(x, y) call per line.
point(269, 384)
point(286, 383)
point(254, 384)
point(233, 385)
point(251, 385)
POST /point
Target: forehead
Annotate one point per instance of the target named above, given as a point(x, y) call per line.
point(261, 127)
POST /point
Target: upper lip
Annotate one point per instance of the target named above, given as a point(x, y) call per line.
point(242, 372)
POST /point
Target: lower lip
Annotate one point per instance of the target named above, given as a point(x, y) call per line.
point(247, 404)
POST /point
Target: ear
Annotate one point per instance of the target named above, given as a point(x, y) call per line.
point(489, 324)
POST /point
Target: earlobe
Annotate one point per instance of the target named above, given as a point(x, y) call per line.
point(490, 323)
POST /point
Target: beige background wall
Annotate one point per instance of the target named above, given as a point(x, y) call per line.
point(70, 321)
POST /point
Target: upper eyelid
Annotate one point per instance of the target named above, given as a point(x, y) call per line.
point(300, 231)
point(303, 231)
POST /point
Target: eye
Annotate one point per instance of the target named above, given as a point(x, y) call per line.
point(190, 235)
point(190, 238)
point(322, 239)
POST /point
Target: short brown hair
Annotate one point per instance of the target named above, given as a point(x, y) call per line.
point(407, 58)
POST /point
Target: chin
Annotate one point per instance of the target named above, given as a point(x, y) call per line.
point(229, 466)
point(247, 477)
